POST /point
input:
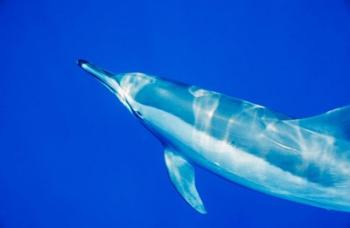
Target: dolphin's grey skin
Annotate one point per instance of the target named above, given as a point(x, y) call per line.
point(305, 160)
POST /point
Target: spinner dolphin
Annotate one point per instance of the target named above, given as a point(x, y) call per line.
point(302, 160)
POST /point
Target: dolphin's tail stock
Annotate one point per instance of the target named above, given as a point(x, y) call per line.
point(335, 122)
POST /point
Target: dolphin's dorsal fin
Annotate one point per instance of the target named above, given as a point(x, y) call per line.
point(335, 122)
point(181, 173)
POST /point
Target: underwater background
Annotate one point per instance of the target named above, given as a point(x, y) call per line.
point(72, 156)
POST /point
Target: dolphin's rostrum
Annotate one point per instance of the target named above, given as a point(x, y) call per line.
point(303, 160)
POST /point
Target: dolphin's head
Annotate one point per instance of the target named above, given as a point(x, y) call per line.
point(124, 86)
point(156, 102)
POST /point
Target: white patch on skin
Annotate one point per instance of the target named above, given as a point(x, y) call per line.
point(132, 83)
point(228, 129)
point(271, 127)
point(129, 86)
point(204, 106)
point(198, 92)
point(318, 148)
point(313, 147)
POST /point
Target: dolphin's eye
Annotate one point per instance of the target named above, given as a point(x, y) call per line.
point(138, 114)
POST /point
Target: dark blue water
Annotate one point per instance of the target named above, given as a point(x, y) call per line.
point(72, 156)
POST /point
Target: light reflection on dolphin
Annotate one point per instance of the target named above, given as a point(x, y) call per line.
point(302, 160)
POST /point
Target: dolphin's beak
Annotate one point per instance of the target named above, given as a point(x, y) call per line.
point(111, 81)
point(108, 79)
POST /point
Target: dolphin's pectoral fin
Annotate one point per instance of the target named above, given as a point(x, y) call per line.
point(181, 173)
point(335, 122)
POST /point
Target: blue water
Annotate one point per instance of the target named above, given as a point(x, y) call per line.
point(72, 156)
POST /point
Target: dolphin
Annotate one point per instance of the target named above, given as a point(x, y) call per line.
point(302, 160)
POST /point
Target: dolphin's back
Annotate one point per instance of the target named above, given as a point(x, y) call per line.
point(193, 105)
